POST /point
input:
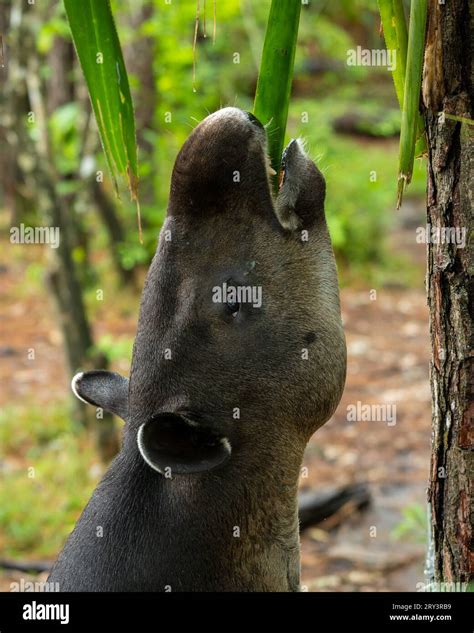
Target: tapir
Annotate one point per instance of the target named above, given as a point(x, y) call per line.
point(238, 359)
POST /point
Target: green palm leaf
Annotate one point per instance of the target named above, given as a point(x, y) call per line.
point(98, 48)
point(276, 73)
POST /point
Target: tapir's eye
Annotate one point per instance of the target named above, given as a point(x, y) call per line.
point(233, 307)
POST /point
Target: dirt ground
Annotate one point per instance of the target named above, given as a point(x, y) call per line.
point(388, 356)
point(388, 364)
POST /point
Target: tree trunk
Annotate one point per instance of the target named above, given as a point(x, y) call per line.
point(139, 59)
point(63, 275)
point(28, 92)
point(115, 230)
point(18, 198)
point(447, 88)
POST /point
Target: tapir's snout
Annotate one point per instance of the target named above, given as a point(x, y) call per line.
point(173, 443)
point(223, 161)
point(236, 119)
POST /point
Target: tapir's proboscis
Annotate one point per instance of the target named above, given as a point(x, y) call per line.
point(239, 358)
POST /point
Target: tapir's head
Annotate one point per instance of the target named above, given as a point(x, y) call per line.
point(239, 349)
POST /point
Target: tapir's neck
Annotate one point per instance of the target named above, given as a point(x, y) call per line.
point(233, 529)
point(242, 525)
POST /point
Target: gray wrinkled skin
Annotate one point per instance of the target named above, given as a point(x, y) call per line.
point(230, 524)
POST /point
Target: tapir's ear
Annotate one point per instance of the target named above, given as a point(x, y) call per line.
point(105, 389)
point(300, 199)
point(173, 443)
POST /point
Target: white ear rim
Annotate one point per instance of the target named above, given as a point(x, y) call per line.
point(74, 382)
point(143, 453)
point(224, 441)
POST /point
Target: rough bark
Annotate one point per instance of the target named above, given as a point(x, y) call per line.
point(447, 88)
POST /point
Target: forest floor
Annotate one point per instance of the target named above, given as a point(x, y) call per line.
point(388, 359)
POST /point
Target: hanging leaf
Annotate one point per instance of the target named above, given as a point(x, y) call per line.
point(411, 97)
point(98, 48)
point(395, 33)
point(276, 74)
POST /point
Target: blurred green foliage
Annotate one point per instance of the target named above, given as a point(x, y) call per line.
point(115, 348)
point(414, 524)
point(47, 467)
